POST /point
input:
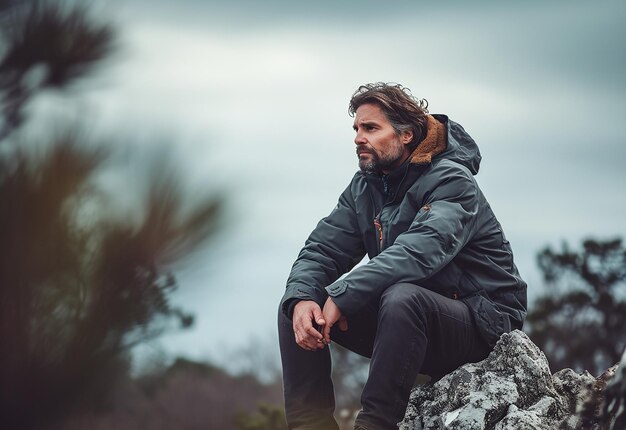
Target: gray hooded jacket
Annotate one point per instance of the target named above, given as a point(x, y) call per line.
point(425, 223)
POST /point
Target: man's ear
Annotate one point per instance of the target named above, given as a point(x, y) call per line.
point(407, 137)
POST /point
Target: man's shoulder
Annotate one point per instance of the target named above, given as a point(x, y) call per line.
point(358, 183)
point(445, 167)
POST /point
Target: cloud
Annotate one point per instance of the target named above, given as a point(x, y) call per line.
point(263, 88)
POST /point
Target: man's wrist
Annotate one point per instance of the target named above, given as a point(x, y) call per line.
point(289, 307)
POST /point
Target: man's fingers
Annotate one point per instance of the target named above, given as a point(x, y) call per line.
point(302, 341)
point(313, 334)
point(327, 328)
point(309, 338)
point(310, 344)
point(318, 317)
point(306, 315)
point(306, 328)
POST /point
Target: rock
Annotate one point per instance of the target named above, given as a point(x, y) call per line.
point(613, 416)
point(510, 389)
point(591, 411)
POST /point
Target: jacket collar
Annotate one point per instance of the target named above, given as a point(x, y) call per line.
point(399, 180)
point(434, 143)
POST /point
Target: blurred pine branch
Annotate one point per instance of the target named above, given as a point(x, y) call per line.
point(78, 286)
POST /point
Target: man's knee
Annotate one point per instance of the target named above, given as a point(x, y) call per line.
point(285, 325)
point(405, 295)
point(281, 315)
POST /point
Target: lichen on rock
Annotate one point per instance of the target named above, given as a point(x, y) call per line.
point(511, 389)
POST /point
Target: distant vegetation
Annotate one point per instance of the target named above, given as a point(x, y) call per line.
point(186, 396)
point(80, 282)
point(580, 321)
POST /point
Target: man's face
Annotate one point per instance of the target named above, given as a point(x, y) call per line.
point(378, 146)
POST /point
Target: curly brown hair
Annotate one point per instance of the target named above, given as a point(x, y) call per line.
point(404, 111)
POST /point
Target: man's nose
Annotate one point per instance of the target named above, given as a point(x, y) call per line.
point(359, 139)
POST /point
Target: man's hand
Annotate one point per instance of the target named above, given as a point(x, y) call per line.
point(332, 314)
point(304, 313)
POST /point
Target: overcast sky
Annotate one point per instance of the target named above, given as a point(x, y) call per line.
point(254, 95)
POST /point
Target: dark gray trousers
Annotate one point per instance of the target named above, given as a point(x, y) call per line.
point(411, 330)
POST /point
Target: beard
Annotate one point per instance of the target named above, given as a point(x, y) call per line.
point(371, 165)
point(379, 163)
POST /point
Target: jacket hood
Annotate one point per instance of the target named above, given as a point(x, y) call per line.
point(447, 139)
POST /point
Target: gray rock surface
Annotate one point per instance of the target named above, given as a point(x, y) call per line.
point(614, 411)
point(510, 389)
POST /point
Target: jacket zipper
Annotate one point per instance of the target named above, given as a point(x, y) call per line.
point(379, 229)
point(377, 222)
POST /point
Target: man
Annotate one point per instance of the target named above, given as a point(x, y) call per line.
point(440, 286)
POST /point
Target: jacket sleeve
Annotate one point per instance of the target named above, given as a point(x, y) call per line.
point(334, 247)
point(440, 229)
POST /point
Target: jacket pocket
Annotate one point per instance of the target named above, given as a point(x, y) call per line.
point(490, 321)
